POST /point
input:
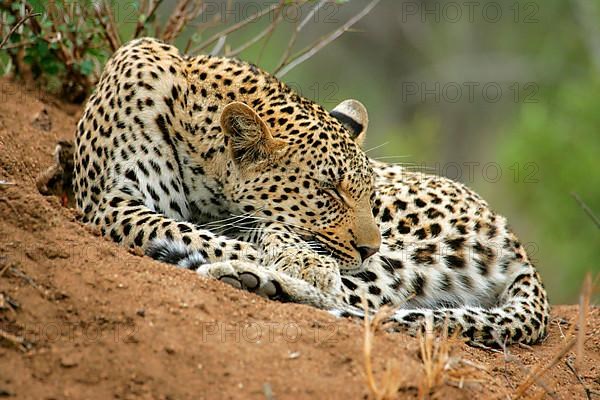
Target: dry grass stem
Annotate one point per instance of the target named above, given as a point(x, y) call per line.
point(528, 372)
point(390, 383)
point(571, 339)
point(440, 365)
point(587, 209)
point(584, 305)
point(572, 368)
point(540, 370)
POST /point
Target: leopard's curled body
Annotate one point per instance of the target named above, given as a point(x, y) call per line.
point(214, 165)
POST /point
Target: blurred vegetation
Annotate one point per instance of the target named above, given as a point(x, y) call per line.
point(501, 95)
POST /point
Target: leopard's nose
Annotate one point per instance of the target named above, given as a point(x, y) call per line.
point(366, 252)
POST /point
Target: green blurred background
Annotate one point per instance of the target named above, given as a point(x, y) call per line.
point(501, 95)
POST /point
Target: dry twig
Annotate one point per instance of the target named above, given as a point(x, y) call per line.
point(234, 27)
point(106, 18)
point(287, 54)
point(15, 340)
point(151, 10)
point(184, 12)
point(264, 33)
point(4, 268)
point(314, 48)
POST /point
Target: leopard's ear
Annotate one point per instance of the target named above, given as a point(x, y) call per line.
point(353, 115)
point(248, 137)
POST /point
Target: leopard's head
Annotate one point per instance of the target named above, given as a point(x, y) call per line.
point(303, 167)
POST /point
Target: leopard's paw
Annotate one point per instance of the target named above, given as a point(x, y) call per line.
point(245, 276)
point(319, 271)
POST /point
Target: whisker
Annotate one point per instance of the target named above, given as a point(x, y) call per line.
point(220, 221)
point(250, 214)
point(385, 260)
point(376, 147)
point(390, 157)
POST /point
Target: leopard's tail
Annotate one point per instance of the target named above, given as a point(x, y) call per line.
point(521, 316)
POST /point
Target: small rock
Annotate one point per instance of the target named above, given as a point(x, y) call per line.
point(42, 121)
point(141, 312)
point(69, 361)
point(53, 253)
point(293, 355)
point(170, 350)
point(131, 339)
point(346, 360)
point(136, 251)
point(61, 296)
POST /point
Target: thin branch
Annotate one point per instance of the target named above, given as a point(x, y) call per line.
point(107, 25)
point(140, 24)
point(234, 28)
point(265, 32)
point(35, 25)
point(316, 47)
point(216, 20)
point(219, 46)
point(16, 26)
point(18, 45)
point(587, 210)
point(287, 54)
point(265, 43)
point(183, 13)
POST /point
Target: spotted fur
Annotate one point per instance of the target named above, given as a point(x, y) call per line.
point(214, 165)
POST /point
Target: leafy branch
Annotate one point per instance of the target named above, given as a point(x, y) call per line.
point(66, 44)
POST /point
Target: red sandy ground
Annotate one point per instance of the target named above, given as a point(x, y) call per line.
point(100, 322)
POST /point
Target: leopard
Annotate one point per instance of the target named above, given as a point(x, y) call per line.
point(214, 165)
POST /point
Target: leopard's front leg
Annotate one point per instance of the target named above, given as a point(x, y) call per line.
point(283, 250)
